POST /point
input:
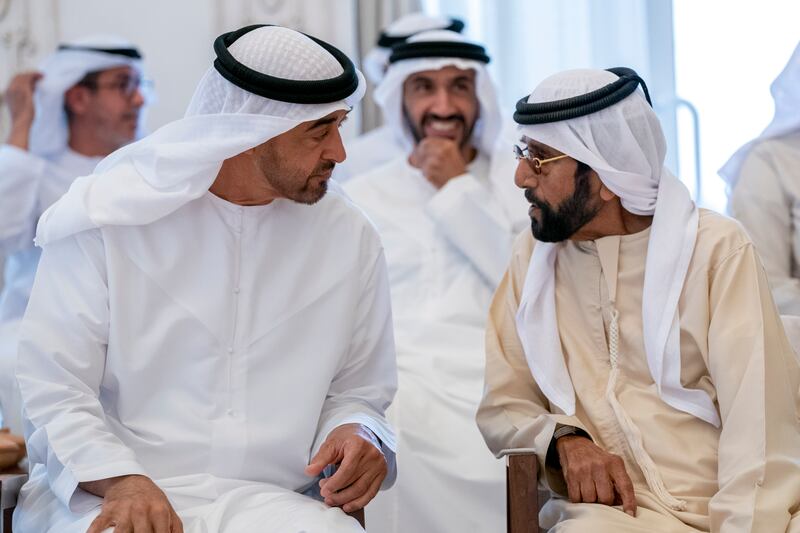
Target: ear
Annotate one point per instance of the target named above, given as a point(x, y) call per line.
point(605, 193)
point(76, 99)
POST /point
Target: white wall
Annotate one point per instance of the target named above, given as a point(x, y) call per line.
point(175, 38)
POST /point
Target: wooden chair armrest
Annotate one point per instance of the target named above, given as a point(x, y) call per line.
point(522, 492)
point(358, 515)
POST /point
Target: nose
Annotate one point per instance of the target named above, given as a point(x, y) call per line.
point(335, 151)
point(137, 99)
point(524, 178)
point(442, 103)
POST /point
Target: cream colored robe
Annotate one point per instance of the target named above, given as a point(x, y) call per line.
point(744, 476)
point(766, 200)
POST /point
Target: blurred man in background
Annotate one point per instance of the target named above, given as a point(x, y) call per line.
point(83, 103)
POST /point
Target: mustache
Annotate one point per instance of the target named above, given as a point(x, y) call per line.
point(427, 117)
point(531, 198)
point(323, 167)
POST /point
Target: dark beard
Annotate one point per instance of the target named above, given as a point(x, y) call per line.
point(556, 225)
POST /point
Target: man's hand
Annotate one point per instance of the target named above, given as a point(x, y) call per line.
point(362, 467)
point(132, 504)
point(12, 448)
point(593, 475)
point(439, 159)
point(19, 99)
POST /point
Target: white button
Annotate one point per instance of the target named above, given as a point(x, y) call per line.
point(236, 290)
point(230, 412)
point(230, 350)
point(760, 482)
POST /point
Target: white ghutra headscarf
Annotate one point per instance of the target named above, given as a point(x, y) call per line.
point(624, 144)
point(786, 93)
point(149, 179)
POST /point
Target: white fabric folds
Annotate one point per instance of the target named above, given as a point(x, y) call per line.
point(624, 144)
point(377, 60)
point(151, 178)
point(786, 93)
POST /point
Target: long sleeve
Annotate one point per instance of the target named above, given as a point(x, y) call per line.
point(756, 377)
point(20, 176)
point(62, 355)
point(514, 413)
point(364, 387)
point(471, 217)
point(766, 208)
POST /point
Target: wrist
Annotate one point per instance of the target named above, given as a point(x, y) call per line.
point(563, 434)
point(19, 134)
point(101, 487)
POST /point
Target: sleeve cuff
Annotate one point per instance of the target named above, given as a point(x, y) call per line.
point(65, 484)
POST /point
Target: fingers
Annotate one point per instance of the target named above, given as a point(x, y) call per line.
point(573, 487)
point(107, 520)
point(327, 454)
point(364, 499)
point(134, 504)
point(141, 522)
point(161, 518)
point(624, 487)
point(176, 524)
point(346, 474)
point(603, 486)
point(588, 493)
point(355, 490)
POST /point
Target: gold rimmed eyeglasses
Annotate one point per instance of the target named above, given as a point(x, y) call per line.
point(536, 163)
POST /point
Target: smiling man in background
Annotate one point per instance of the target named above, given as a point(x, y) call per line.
point(447, 233)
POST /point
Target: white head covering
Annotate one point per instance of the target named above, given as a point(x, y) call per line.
point(151, 178)
point(389, 94)
point(63, 69)
point(624, 144)
point(377, 60)
point(786, 93)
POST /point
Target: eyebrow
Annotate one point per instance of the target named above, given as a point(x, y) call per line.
point(533, 145)
point(324, 121)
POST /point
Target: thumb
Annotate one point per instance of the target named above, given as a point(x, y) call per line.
point(414, 159)
point(325, 456)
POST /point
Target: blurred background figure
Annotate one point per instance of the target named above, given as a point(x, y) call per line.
point(83, 103)
point(441, 216)
point(764, 180)
point(383, 143)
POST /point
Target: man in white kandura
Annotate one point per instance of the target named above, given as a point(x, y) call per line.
point(83, 103)
point(634, 344)
point(442, 216)
point(764, 189)
point(382, 144)
point(202, 343)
